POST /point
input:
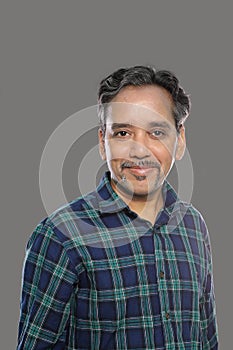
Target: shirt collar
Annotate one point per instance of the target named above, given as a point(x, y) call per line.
point(108, 199)
point(110, 202)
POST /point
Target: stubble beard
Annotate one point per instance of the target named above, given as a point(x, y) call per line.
point(125, 185)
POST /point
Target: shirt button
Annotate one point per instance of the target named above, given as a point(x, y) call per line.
point(161, 274)
point(167, 315)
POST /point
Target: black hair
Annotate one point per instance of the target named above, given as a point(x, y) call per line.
point(144, 75)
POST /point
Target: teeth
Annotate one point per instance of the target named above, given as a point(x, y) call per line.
point(138, 165)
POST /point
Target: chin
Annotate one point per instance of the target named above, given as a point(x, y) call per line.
point(144, 191)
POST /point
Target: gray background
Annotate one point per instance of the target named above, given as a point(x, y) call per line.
point(53, 55)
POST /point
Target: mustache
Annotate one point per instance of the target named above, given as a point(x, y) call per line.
point(141, 164)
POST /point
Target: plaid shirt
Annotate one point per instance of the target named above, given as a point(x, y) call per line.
point(97, 276)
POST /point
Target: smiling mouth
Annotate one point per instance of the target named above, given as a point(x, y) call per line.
point(140, 171)
point(142, 168)
point(142, 165)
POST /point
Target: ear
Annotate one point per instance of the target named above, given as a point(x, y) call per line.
point(101, 144)
point(181, 143)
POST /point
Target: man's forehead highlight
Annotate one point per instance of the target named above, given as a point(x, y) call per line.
point(135, 114)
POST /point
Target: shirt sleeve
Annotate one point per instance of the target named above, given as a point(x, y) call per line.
point(48, 283)
point(207, 304)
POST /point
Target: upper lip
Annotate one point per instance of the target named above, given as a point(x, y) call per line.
point(140, 165)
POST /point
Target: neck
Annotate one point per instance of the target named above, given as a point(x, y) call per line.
point(148, 210)
point(147, 207)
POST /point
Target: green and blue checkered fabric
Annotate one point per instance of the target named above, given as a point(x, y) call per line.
point(97, 276)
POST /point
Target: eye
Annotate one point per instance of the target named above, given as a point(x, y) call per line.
point(158, 133)
point(121, 133)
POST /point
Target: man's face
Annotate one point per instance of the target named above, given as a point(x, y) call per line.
point(141, 143)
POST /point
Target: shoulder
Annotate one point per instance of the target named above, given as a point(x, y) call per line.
point(76, 208)
point(192, 220)
point(198, 218)
point(62, 232)
point(181, 211)
point(71, 221)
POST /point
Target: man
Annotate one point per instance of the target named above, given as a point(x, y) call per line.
point(129, 265)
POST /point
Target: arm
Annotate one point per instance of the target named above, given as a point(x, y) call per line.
point(48, 283)
point(207, 305)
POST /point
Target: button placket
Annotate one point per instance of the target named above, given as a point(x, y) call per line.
point(160, 260)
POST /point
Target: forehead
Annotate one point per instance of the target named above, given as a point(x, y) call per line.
point(141, 105)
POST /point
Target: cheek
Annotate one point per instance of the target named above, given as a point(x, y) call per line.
point(115, 150)
point(164, 152)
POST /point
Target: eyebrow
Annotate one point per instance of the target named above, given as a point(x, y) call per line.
point(115, 126)
point(160, 124)
point(166, 125)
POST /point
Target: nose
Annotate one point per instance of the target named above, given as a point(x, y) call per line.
point(139, 148)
